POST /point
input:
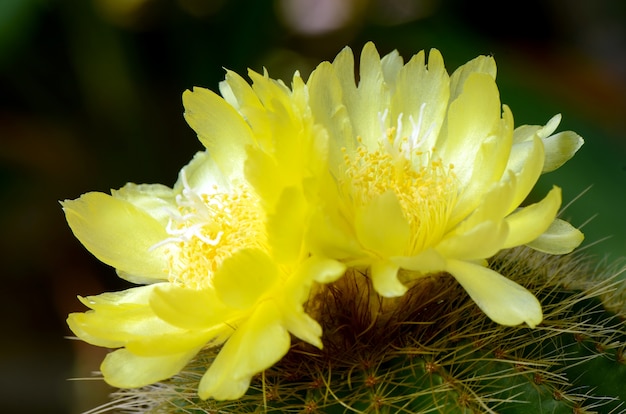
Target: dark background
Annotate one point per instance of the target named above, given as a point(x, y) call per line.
point(90, 98)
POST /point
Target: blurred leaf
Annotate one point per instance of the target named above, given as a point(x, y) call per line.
point(17, 20)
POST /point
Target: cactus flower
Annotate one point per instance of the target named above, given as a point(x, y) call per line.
point(408, 173)
point(201, 249)
point(428, 175)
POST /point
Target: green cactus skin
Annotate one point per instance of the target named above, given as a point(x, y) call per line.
point(434, 351)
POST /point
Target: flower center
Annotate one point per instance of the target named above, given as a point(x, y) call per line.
point(206, 229)
point(425, 188)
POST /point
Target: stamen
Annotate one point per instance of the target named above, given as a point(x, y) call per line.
point(205, 229)
point(425, 188)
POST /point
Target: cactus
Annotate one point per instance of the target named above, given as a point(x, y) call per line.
point(433, 351)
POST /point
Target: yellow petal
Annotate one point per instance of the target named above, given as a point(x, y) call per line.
point(328, 109)
point(363, 111)
point(421, 97)
point(560, 148)
point(274, 123)
point(531, 156)
point(155, 199)
point(238, 92)
point(258, 344)
point(494, 204)
point(129, 298)
point(343, 69)
point(531, 221)
point(381, 226)
point(488, 167)
point(273, 94)
point(560, 238)
point(305, 328)
point(550, 126)
point(286, 225)
point(219, 127)
point(330, 236)
point(262, 172)
point(244, 277)
point(472, 117)
point(202, 175)
point(480, 242)
point(484, 197)
point(94, 331)
point(118, 318)
point(428, 261)
point(502, 300)
point(188, 308)
point(524, 133)
point(385, 279)
point(302, 326)
point(391, 64)
point(297, 290)
point(323, 270)
point(118, 234)
point(125, 370)
point(153, 345)
point(480, 64)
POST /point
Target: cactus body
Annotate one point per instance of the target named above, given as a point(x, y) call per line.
point(434, 351)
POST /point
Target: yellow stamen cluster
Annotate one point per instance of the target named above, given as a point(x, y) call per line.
point(207, 229)
point(424, 187)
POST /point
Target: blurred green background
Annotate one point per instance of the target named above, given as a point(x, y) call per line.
point(90, 98)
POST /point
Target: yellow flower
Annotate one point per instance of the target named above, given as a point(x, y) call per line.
point(151, 233)
point(428, 174)
point(214, 276)
point(412, 169)
point(286, 157)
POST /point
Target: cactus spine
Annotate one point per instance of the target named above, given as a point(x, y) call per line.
point(434, 351)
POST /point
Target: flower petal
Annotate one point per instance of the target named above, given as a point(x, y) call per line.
point(238, 93)
point(187, 308)
point(244, 277)
point(322, 269)
point(118, 234)
point(155, 199)
point(364, 112)
point(262, 172)
point(297, 290)
point(488, 168)
point(482, 241)
point(480, 64)
point(560, 238)
point(125, 299)
point(303, 326)
point(381, 226)
point(219, 127)
point(385, 279)
point(118, 318)
point(530, 156)
point(495, 203)
point(531, 221)
point(202, 175)
point(428, 261)
point(295, 320)
point(180, 342)
point(472, 117)
point(258, 344)
point(391, 64)
point(502, 300)
point(330, 236)
point(560, 148)
point(420, 98)
point(123, 369)
point(328, 109)
point(286, 225)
